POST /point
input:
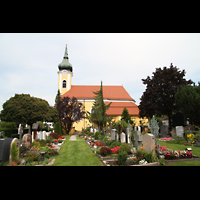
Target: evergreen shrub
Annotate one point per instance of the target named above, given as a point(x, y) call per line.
point(122, 157)
point(97, 135)
point(115, 144)
point(124, 147)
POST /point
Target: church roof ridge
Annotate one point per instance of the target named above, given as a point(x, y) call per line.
point(109, 92)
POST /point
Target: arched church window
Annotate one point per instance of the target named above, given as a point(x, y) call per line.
point(64, 83)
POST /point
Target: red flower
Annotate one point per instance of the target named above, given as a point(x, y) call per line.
point(115, 149)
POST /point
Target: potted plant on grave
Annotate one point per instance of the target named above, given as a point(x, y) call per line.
point(14, 151)
point(55, 142)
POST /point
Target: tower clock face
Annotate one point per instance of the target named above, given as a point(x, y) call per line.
point(64, 73)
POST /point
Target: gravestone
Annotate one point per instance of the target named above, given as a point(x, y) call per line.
point(36, 126)
point(164, 131)
point(173, 132)
point(179, 131)
point(44, 135)
point(26, 140)
point(117, 137)
point(138, 138)
point(189, 128)
point(20, 131)
point(18, 145)
point(5, 149)
point(154, 127)
point(128, 134)
point(2, 133)
point(135, 128)
point(113, 134)
point(41, 135)
point(123, 137)
point(149, 142)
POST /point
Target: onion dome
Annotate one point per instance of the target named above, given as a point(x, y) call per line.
point(65, 63)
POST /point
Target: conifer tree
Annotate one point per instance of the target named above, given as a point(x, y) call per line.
point(58, 98)
point(125, 115)
point(98, 115)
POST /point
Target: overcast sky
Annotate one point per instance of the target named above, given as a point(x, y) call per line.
point(29, 62)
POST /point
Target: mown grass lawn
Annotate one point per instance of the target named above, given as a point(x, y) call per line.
point(76, 153)
point(195, 151)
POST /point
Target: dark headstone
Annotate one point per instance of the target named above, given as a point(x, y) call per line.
point(164, 131)
point(5, 149)
point(36, 126)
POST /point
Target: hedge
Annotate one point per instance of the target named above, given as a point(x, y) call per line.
point(10, 131)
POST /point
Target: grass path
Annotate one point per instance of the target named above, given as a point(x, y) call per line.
point(76, 153)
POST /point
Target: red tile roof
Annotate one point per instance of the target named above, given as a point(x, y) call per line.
point(109, 92)
point(116, 108)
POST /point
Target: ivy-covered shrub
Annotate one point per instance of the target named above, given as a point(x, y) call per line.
point(124, 147)
point(115, 144)
point(122, 157)
point(104, 151)
point(97, 135)
point(54, 135)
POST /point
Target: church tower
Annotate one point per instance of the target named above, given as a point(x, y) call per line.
point(65, 74)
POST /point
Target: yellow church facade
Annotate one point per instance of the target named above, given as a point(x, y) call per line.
point(84, 93)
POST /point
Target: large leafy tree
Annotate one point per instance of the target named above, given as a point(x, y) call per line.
point(98, 115)
point(188, 102)
point(159, 96)
point(24, 109)
point(69, 111)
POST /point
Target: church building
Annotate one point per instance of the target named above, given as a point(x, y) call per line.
point(84, 93)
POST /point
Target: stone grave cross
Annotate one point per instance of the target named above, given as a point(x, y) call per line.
point(20, 131)
point(154, 127)
point(138, 138)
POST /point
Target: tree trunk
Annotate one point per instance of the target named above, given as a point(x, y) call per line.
point(170, 122)
point(31, 127)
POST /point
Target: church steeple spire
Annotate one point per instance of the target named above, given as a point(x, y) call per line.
point(65, 63)
point(65, 74)
point(66, 53)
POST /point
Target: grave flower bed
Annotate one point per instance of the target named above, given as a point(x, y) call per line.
point(172, 154)
point(115, 149)
point(33, 154)
point(97, 144)
point(61, 138)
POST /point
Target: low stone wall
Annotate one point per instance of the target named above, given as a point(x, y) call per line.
point(195, 158)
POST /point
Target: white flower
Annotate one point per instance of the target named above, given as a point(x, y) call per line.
point(143, 162)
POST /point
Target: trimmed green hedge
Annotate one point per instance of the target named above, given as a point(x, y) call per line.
point(10, 131)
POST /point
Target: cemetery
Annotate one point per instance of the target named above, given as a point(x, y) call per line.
point(135, 148)
point(29, 151)
point(131, 147)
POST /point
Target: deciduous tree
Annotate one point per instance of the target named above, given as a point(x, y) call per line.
point(22, 108)
point(188, 102)
point(69, 111)
point(159, 96)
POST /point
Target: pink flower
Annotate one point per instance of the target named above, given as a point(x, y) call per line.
point(115, 149)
